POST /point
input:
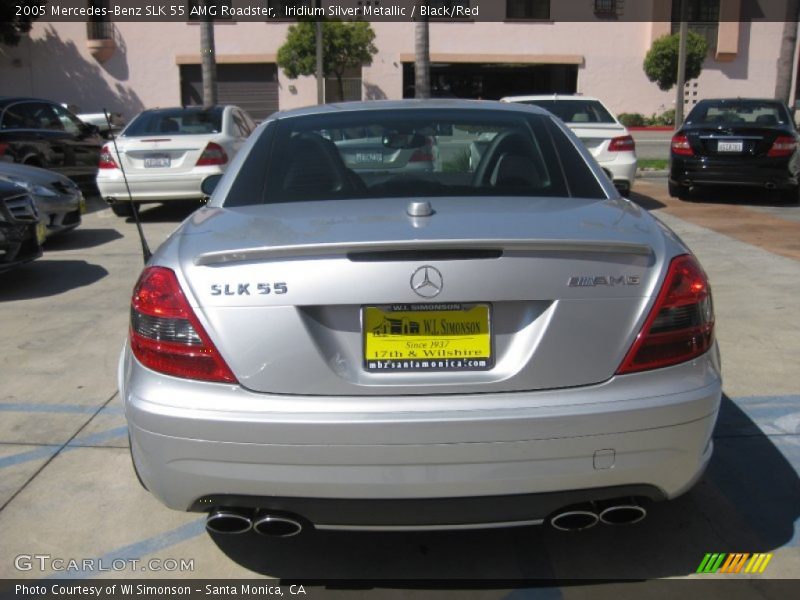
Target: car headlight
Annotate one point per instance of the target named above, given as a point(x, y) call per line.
point(34, 188)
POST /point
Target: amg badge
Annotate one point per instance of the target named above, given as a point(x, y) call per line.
point(596, 280)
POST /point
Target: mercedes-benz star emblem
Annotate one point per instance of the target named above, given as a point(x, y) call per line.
point(427, 282)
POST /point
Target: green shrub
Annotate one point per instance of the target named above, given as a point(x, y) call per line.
point(631, 119)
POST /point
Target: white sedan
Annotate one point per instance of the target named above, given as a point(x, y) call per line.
point(166, 153)
point(604, 136)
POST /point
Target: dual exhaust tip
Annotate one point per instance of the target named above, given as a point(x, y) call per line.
point(584, 517)
point(232, 522)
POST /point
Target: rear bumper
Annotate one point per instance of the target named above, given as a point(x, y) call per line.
point(756, 173)
point(623, 168)
point(244, 452)
point(154, 188)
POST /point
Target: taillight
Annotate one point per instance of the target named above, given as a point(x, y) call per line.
point(680, 145)
point(623, 143)
point(782, 146)
point(3, 148)
point(214, 154)
point(106, 159)
point(424, 154)
point(165, 333)
point(681, 324)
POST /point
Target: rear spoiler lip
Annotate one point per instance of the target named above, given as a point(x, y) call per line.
point(343, 248)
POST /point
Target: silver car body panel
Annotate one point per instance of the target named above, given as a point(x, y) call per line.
point(570, 285)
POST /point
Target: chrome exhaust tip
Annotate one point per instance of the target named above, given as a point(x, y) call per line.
point(623, 514)
point(275, 526)
point(575, 520)
point(228, 522)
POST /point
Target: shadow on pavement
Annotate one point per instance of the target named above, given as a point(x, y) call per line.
point(44, 278)
point(747, 501)
point(646, 202)
point(737, 195)
point(81, 238)
point(174, 211)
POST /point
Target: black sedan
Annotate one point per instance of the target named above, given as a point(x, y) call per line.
point(736, 142)
point(21, 231)
point(41, 133)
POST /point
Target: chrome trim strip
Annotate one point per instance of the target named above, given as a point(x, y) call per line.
point(331, 249)
point(452, 527)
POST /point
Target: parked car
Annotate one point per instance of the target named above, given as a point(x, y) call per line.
point(736, 142)
point(506, 345)
point(607, 139)
point(58, 199)
point(21, 231)
point(41, 133)
point(98, 119)
point(167, 152)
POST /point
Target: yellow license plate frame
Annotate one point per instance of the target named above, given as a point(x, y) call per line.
point(41, 232)
point(427, 337)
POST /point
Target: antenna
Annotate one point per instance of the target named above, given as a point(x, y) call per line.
point(146, 254)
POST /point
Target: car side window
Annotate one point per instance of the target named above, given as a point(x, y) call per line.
point(241, 125)
point(70, 123)
point(13, 118)
point(39, 115)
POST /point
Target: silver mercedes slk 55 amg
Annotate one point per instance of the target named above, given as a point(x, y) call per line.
point(499, 339)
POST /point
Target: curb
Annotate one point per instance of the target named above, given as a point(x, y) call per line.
point(651, 173)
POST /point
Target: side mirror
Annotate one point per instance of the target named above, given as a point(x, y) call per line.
point(210, 184)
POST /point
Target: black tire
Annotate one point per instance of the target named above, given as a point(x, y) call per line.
point(122, 209)
point(678, 191)
point(791, 196)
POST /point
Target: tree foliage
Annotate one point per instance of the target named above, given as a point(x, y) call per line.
point(12, 27)
point(661, 61)
point(344, 45)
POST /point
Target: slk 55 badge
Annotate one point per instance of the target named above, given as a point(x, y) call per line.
point(248, 289)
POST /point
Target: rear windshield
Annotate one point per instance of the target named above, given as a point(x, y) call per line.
point(575, 111)
point(180, 121)
point(733, 112)
point(411, 153)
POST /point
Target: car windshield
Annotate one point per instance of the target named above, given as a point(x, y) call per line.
point(575, 111)
point(737, 112)
point(412, 153)
point(179, 121)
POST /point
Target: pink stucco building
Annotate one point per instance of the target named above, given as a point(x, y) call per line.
point(516, 47)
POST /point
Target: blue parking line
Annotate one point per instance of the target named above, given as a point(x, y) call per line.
point(140, 549)
point(33, 407)
point(22, 457)
point(48, 451)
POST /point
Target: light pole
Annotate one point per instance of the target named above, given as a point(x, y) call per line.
point(679, 93)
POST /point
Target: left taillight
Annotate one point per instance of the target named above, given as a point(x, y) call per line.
point(680, 325)
point(623, 143)
point(165, 334)
point(106, 160)
point(214, 154)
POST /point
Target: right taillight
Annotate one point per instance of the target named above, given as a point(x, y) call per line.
point(214, 154)
point(782, 146)
point(680, 325)
point(106, 159)
point(623, 143)
point(165, 333)
point(681, 146)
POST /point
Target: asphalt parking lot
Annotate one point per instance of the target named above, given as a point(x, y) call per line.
point(67, 489)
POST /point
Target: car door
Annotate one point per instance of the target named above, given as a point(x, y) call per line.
point(23, 138)
point(82, 143)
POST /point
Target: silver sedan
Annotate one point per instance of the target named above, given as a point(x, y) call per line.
point(494, 343)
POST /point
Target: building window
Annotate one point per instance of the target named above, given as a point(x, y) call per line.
point(605, 8)
point(528, 9)
point(99, 26)
point(197, 9)
point(351, 86)
point(703, 18)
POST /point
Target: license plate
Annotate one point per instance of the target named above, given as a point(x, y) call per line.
point(737, 146)
point(427, 337)
point(41, 232)
point(369, 157)
point(156, 162)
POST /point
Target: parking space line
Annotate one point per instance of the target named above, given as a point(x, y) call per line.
point(142, 548)
point(56, 408)
point(22, 457)
point(88, 441)
point(35, 474)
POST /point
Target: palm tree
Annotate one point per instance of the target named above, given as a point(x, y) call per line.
point(783, 82)
point(208, 57)
point(422, 59)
